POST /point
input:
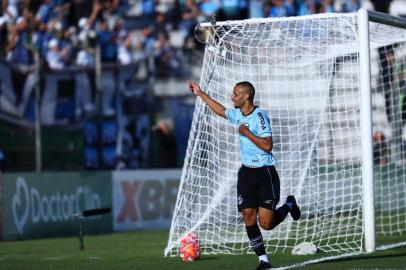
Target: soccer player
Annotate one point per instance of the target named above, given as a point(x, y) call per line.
point(258, 188)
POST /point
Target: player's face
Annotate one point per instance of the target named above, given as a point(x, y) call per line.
point(239, 97)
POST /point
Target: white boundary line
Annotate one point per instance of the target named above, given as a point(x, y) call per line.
point(389, 246)
point(347, 255)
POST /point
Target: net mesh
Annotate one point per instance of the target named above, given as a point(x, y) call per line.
point(306, 74)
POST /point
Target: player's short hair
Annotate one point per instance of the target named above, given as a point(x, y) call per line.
point(247, 86)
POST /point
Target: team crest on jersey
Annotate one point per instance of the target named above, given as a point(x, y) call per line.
point(240, 199)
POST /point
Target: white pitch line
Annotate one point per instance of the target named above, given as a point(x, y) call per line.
point(389, 246)
point(332, 258)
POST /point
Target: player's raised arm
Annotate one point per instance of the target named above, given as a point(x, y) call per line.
point(216, 107)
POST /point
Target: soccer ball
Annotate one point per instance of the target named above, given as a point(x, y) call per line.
point(189, 250)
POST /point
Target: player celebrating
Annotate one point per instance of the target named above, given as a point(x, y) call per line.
point(258, 188)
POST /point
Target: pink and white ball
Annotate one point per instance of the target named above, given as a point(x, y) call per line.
point(189, 250)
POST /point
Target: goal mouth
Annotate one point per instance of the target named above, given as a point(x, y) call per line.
point(308, 74)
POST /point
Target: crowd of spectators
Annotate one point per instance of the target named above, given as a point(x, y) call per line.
point(65, 32)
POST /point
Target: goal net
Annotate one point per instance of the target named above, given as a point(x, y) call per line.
point(306, 72)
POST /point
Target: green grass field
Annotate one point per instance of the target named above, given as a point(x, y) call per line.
point(144, 250)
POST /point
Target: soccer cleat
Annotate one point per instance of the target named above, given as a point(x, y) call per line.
point(263, 265)
point(295, 210)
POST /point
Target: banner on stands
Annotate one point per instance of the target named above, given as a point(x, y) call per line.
point(144, 199)
point(43, 204)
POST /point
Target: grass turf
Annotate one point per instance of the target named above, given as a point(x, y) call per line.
point(144, 250)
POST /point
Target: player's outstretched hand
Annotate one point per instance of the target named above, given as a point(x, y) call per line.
point(194, 88)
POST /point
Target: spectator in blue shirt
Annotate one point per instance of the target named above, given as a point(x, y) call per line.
point(21, 36)
point(54, 56)
point(44, 11)
point(352, 5)
point(282, 8)
point(125, 54)
point(190, 11)
point(208, 8)
point(306, 8)
point(107, 43)
point(256, 9)
point(148, 8)
point(230, 9)
point(328, 6)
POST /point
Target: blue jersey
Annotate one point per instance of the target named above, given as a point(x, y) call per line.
point(258, 123)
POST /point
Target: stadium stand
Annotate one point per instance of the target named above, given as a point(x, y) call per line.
point(147, 50)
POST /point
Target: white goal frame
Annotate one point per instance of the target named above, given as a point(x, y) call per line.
point(367, 163)
point(364, 17)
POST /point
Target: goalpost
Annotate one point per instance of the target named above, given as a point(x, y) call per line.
point(334, 88)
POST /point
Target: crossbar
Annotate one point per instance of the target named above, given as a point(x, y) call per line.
point(383, 18)
point(373, 16)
